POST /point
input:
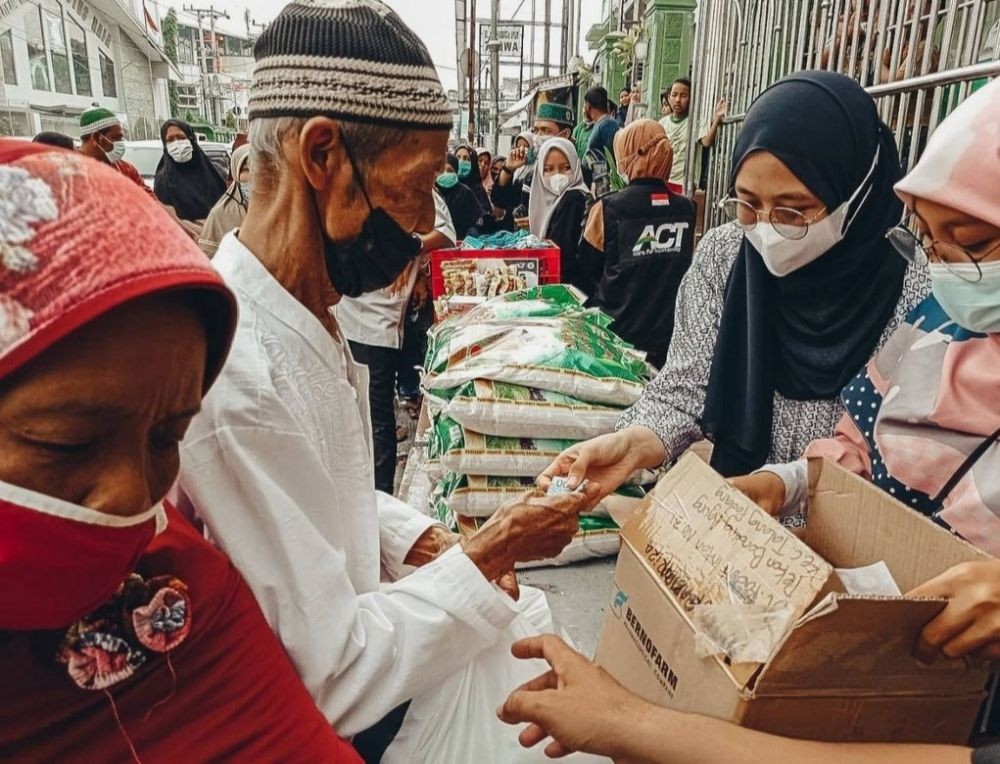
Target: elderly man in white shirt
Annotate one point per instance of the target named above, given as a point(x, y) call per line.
point(376, 604)
point(373, 325)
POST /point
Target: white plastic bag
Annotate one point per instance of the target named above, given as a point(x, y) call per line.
point(456, 722)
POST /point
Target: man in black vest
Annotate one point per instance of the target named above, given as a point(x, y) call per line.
point(638, 242)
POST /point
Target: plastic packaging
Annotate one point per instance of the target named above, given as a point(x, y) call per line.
point(515, 411)
point(481, 496)
point(465, 451)
point(743, 633)
point(565, 355)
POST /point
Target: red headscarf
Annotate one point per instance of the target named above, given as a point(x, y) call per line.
point(77, 241)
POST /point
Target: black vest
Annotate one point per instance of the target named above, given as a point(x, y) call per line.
point(648, 245)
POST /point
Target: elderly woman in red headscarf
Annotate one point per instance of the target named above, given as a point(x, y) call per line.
point(638, 242)
point(124, 636)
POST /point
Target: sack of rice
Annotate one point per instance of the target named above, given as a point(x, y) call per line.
point(481, 496)
point(548, 301)
point(598, 537)
point(472, 453)
point(515, 411)
point(566, 355)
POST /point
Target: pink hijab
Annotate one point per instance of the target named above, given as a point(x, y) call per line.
point(961, 166)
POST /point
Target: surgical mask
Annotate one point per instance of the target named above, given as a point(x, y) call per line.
point(376, 257)
point(464, 168)
point(447, 180)
point(972, 305)
point(116, 153)
point(245, 189)
point(557, 183)
point(783, 256)
point(60, 561)
point(180, 151)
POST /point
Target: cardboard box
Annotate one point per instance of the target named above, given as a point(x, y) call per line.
point(841, 666)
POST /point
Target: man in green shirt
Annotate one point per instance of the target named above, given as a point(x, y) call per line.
point(581, 137)
point(678, 99)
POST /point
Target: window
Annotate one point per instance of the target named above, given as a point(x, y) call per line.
point(56, 38)
point(81, 62)
point(185, 46)
point(7, 58)
point(38, 65)
point(108, 76)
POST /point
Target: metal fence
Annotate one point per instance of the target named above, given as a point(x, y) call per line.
point(918, 58)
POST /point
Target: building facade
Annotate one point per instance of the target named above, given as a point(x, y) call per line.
point(59, 57)
point(215, 61)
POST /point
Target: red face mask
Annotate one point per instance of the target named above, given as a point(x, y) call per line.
point(60, 561)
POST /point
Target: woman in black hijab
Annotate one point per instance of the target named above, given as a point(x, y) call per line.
point(805, 333)
point(186, 179)
point(470, 177)
point(782, 307)
point(466, 212)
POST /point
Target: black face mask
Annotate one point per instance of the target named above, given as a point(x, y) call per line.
point(376, 258)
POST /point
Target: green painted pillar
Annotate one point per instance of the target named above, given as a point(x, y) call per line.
point(670, 31)
point(614, 75)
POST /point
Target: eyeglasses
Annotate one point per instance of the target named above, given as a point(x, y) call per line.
point(951, 256)
point(789, 223)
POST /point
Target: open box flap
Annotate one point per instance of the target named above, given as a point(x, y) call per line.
point(706, 543)
point(865, 645)
point(852, 524)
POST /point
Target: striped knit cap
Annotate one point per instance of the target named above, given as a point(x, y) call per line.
point(96, 119)
point(353, 60)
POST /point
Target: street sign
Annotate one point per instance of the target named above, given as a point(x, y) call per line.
point(510, 36)
point(467, 62)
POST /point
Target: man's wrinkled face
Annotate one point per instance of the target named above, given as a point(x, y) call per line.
point(399, 180)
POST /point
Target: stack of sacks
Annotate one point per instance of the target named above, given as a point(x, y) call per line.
point(511, 385)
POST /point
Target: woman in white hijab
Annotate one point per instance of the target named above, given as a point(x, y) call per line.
point(558, 205)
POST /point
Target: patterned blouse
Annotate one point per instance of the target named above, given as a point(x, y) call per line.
point(672, 404)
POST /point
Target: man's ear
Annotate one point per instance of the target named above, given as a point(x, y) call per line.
point(321, 153)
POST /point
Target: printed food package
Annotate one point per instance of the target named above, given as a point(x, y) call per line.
point(568, 355)
point(598, 537)
point(472, 453)
point(515, 411)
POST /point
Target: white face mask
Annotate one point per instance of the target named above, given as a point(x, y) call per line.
point(557, 183)
point(783, 256)
point(116, 153)
point(972, 305)
point(180, 151)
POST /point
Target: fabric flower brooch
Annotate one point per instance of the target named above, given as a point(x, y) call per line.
point(109, 645)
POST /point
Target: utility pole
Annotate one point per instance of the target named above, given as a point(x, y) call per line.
point(548, 37)
point(495, 65)
point(208, 104)
point(473, 70)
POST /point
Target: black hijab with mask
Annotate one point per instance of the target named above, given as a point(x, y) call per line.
point(475, 181)
point(807, 334)
point(192, 188)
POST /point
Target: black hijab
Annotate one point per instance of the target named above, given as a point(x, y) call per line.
point(191, 188)
point(462, 204)
point(807, 334)
point(475, 181)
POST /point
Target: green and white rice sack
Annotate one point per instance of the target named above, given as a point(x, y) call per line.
point(516, 411)
point(482, 496)
point(565, 355)
point(465, 451)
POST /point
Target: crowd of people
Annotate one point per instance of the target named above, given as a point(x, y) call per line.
point(200, 551)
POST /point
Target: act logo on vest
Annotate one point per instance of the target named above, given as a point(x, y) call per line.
point(660, 239)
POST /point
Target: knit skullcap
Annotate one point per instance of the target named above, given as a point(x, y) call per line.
point(96, 119)
point(353, 60)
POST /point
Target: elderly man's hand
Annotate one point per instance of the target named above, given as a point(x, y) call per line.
point(531, 528)
point(561, 704)
point(434, 542)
